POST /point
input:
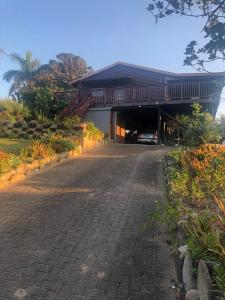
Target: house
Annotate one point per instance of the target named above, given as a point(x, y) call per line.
point(123, 97)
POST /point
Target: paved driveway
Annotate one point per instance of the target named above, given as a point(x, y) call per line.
point(73, 231)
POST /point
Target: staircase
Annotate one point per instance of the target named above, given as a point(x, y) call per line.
point(78, 106)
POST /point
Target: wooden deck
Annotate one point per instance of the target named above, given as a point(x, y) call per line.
point(186, 91)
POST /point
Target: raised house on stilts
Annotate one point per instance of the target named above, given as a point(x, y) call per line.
point(124, 97)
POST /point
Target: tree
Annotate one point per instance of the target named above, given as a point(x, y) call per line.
point(60, 72)
point(37, 99)
point(199, 127)
point(55, 76)
point(24, 76)
point(213, 12)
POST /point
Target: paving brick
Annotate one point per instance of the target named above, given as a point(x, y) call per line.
point(73, 231)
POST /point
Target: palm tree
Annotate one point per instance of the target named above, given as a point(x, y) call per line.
point(23, 76)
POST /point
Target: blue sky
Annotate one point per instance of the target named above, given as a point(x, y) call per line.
point(101, 31)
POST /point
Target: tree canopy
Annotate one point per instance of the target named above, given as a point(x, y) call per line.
point(28, 68)
point(213, 13)
point(35, 84)
point(63, 70)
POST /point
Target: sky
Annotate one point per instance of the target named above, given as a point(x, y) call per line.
point(100, 31)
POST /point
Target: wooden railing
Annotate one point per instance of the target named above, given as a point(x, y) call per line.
point(178, 91)
point(136, 95)
point(190, 90)
point(66, 96)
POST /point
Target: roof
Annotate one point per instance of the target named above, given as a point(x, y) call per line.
point(152, 70)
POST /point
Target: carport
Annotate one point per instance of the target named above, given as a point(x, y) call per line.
point(127, 121)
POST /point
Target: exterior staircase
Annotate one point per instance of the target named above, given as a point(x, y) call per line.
point(78, 106)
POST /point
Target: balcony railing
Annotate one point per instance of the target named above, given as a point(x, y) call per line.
point(179, 91)
point(127, 95)
point(191, 90)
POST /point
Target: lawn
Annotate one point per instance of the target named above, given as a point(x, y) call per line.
point(13, 145)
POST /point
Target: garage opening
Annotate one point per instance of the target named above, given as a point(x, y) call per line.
point(133, 120)
point(129, 121)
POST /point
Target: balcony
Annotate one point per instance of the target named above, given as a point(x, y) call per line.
point(173, 92)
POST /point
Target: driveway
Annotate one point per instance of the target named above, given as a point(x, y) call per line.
point(74, 231)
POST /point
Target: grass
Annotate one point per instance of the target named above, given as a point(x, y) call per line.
point(13, 146)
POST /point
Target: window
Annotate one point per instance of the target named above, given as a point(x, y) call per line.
point(97, 93)
point(119, 94)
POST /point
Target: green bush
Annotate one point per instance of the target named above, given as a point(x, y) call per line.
point(71, 122)
point(93, 132)
point(30, 131)
point(13, 111)
point(24, 126)
point(36, 150)
point(10, 134)
point(39, 127)
point(36, 135)
point(60, 144)
point(23, 134)
point(198, 128)
point(38, 99)
point(204, 238)
point(10, 125)
point(8, 161)
point(33, 123)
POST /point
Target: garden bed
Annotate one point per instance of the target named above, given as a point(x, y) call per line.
point(31, 139)
point(21, 169)
point(195, 214)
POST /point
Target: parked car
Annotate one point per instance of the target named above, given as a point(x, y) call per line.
point(148, 137)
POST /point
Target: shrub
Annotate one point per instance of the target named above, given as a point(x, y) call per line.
point(24, 126)
point(38, 99)
point(53, 127)
point(39, 127)
point(36, 135)
point(33, 123)
point(18, 124)
point(10, 134)
point(4, 162)
point(30, 131)
point(37, 150)
point(47, 125)
point(93, 132)
point(22, 134)
point(10, 125)
point(204, 238)
point(14, 161)
point(60, 144)
point(199, 127)
point(8, 161)
point(13, 111)
point(71, 122)
point(41, 118)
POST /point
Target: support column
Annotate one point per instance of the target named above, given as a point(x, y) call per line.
point(213, 109)
point(114, 126)
point(159, 123)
